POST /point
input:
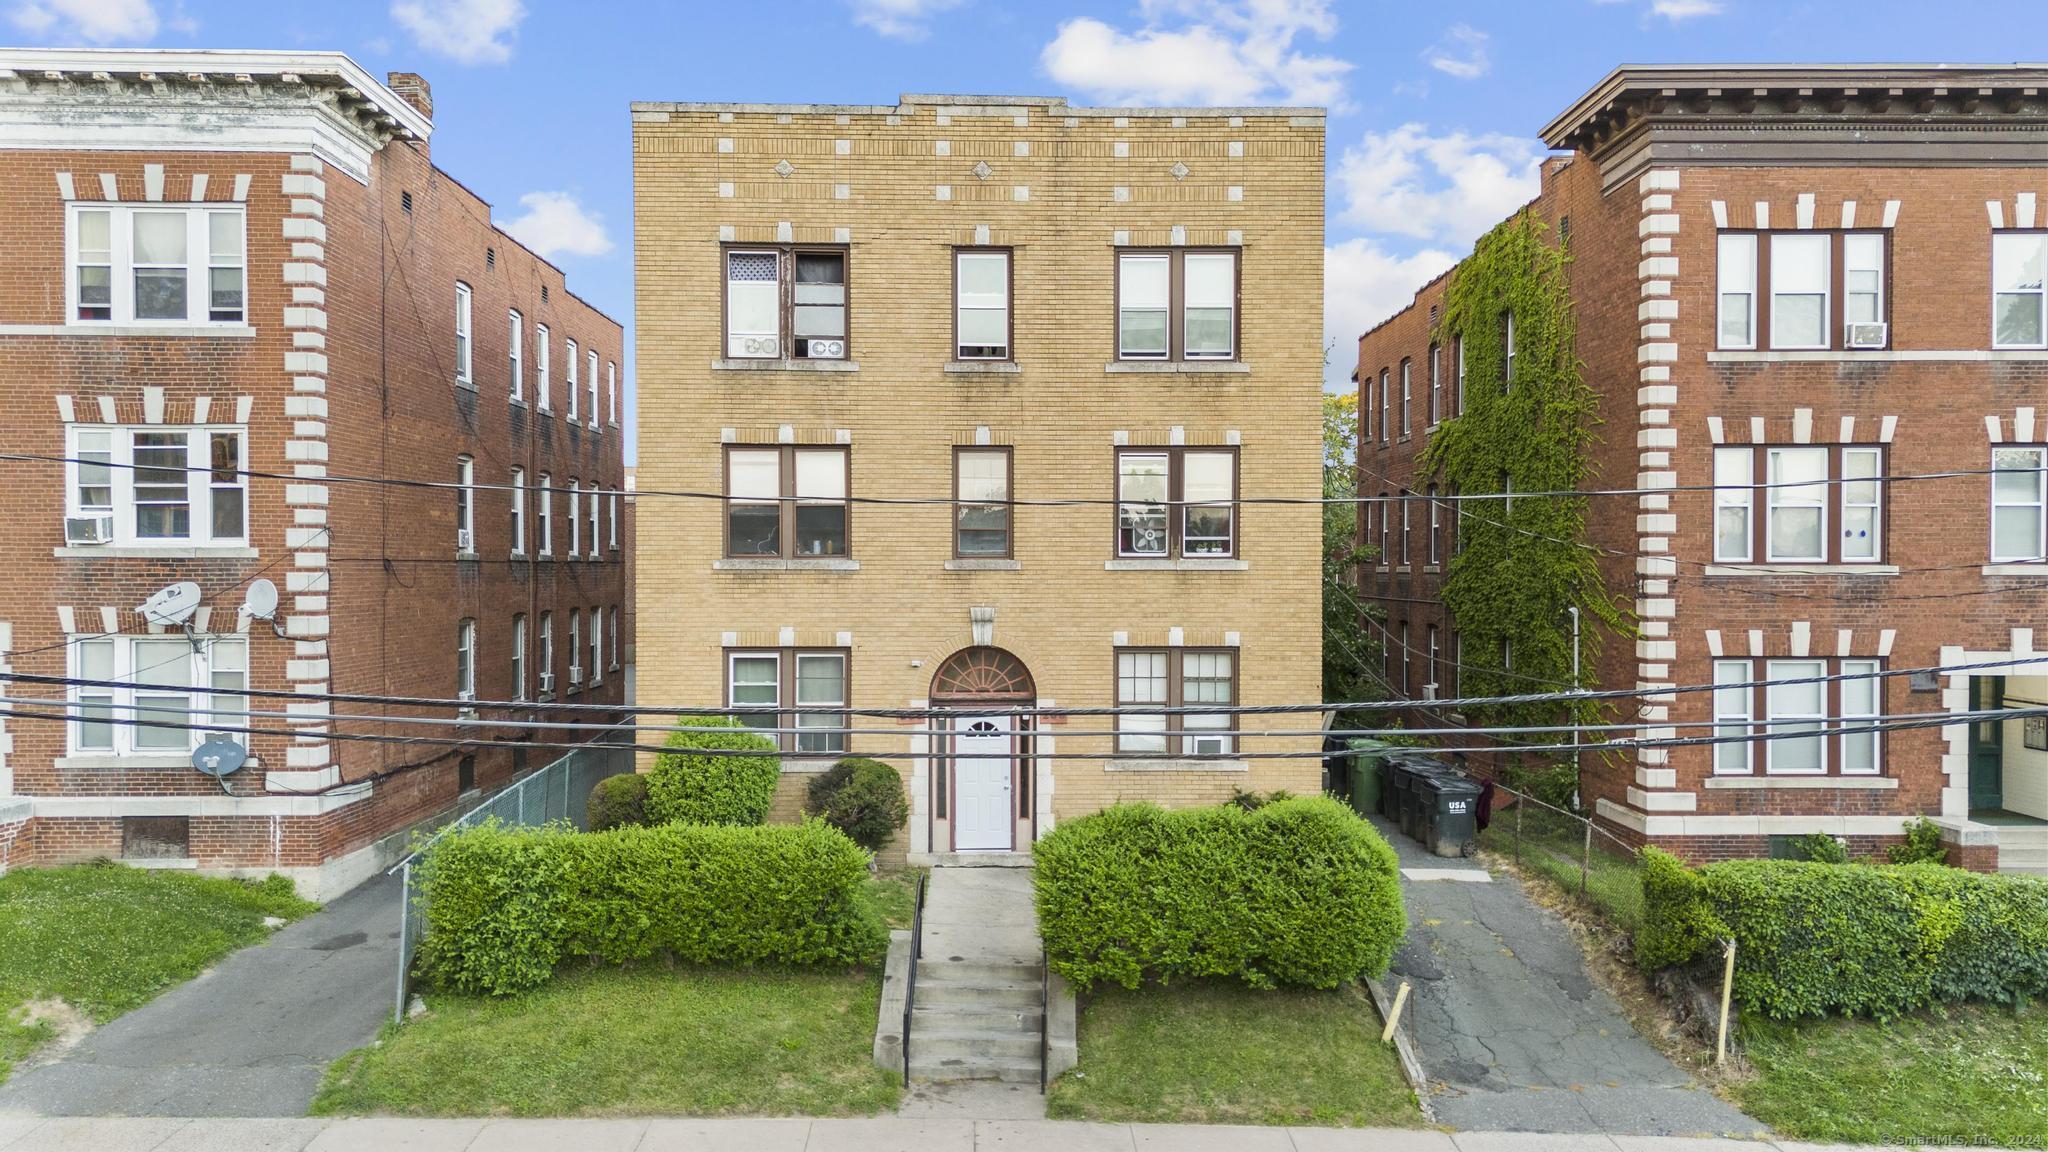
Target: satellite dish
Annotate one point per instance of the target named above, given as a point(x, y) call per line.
point(173, 605)
point(261, 601)
point(219, 755)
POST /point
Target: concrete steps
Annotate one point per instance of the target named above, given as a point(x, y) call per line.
point(978, 1009)
point(2023, 850)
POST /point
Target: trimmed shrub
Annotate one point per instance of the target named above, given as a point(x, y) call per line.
point(618, 802)
point(1298, 891)
point(1923, 844)
point(1819, 848)
point(708, 779)
point(1821, 939)
point(505, 905)
point(862, 798)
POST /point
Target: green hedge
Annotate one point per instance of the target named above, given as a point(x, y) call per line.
point(862, 798)
point(1823, 939)
point(505, 905)
point(618, 802)
point(721, 785)
point(1298, 891)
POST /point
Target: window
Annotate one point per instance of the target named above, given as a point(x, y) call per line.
point(569, 378)
point(612, 519)
point(786, 502)
point(518, 487)
point(812, 678)
point(1804, 270)
point(1407, 501)
point(575, 649)
point(590, 384)
point(465, 504)
point(519, 657)
point(981, 485)
point(547, 654)
point(1458, 346)
point(1386, 536)
point(1365, 408)
point(1811, 720)
point(1201, 482)
point(2019, 290)
point(1798, 709)
point(1436, 509)
point(596, 647)
point(1799, 289)
point(1174, 678)
point(544, 525)
point(1436, 385)
point(615, 636)
point(596, 547)
point(611, 393)
point(801, 289)
point(981, 302)
point(1737, 273)
point(140, 264)
point(462, 333)
point(1176, 304)
point(1820, 504)
point(1407, 398)
point(541, 384)
point(2017, 504)
point(1731, 717)
point(159, 681)
point(465, 661)
point(159, 485)
point(575, 518)
point(1507, 376)
point(1863, 278)
point(1386, 407)
point(516, 337)
point(1859, 709)
point(1432, 688)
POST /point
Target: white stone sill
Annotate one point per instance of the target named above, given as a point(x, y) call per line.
point(1181, 565)
point(983, 367)
point(1143, 764)
point(139, 552)
point(1821, 783)
point(798, 564)
point(1180, 367)
point(775, 365)
point(1801, 570)
point(983, 564)
point(159, 863)
point(222, 331)
point(1885, 356)
point(102, 760)
point(2037, 568)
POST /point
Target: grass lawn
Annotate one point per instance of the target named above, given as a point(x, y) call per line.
point(637, 1041)
point(103, 939)
point(1966, 1073)
point(894, 895)
point(1217, 1053)
point(1551, 848)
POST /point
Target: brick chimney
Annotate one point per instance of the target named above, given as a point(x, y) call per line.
point(412, 88)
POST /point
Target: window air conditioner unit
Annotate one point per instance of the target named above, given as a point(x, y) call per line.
point(463, 540)
point(88, 529)
point(1210, 745)
point(547, 683)
point(759, 345)
point(813, 348)
point(575, 673)
point(1868, 335)
point(1429, 691)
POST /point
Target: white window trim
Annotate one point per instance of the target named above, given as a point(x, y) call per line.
point(732, 658)
point(519, 656)
point(590, 385)
point(199, 681)
point(961, 307)
point(576, 670)
point(199, 485)
point(2041, 296)
point(2039, 504)
point(1827, 292)
point(465, 664)
point(1126, 260)
point(546, 636)
point(592, 511)
point(1736, 672)
point(612, 521)
point(596, 646)
point(465, 334)
point(544, 521)
point(1875, 504)
point(518, 488)
point(541, 381)
point(1725, 286)
point(611, 392)
point(465, 504)
point(1778, 492)
point(1229, 353)
point(575, 518)
point(121, 271)
point(1862, 667)
point(1776, 670)
point(569, 379)
point(615, 637)
point(516, 325)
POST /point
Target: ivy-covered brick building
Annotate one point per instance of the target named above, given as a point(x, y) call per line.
point(1782, 332)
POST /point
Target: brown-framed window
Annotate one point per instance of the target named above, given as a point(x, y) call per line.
point(1799, 504)
point(1176, 678)
point(777, 677)
point(785, 301)
point(1803, 289)
point(1797, 717)
point(982, 512)
point(1175, 502)
point(1177, 304)
point(982, 325)
point(786, 501)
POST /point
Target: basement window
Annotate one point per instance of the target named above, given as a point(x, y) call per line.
point(156, 837)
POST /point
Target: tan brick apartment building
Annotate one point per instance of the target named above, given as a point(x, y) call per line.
point(1788, 280)
point(239, 296)
point(996, 299)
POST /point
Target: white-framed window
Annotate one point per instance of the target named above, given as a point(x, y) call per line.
point(1141, 680)
point(1436, 512)
point(596, 647)
point(754, 679)
point(156, 264)
point(159, 485)
point(161, 682)
point(612, 519)
point(519, 657)
point(590, 385)
point(547, 655)
point(462, 334)
point(611, 393)
point(1407, 397)
point(1736, 271)
point(1732, 694)
point(1863, 278)
point(465, 504)
point(1801, 268)
point(2019, 290)
point(1861, 699)
point(569, 377)
point(821, 680)
point(1862, 497)
point(1407, 525)
point(1459, 344)
point(575, 649)
point(542, 373)
point(1202, 284)
point(1176, 678)
point(1144, 291)
point(1209, 305)
point(544, 522)
point(592, 509)
point(465, 661)
point(615, 636)
point(1799, 710)
point(1386, 407)
point(1797, 519)
point(518, 487)
point(1436, 385)
point(1507, 376)
point(981, 301)
point(2019, 501)
point(575, 518)
point(516, 334)
point(1806, 490)
point(753, 305)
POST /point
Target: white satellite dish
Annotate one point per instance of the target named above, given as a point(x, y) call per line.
point(261, 601)
point(173, 605)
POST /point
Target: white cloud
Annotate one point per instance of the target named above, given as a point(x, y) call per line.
point(1462, 53)
point(1448, 188)
point(93, 21)
point(1363, 284)
point(900, 19)
point(1227, 52)
point(555, 224)
point(1676, 11)
point(467, 31)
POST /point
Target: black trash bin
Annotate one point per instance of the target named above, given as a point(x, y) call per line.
point(1450, 814)
point(1410, 775)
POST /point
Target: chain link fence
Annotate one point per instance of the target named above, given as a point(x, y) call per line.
point(558, 792)
point(1571, 851)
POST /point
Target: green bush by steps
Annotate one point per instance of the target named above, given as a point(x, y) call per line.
point(862, 798)
point(1825, 939)
point(718, 773)
point(618, 802)
point(505, 905)
point(1295, 892)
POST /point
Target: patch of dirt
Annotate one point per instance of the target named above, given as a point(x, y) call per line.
point(67, 1025)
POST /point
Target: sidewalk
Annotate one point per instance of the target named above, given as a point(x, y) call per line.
point(886, 1134)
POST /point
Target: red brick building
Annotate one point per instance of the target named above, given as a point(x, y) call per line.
point(1798, 290)
point(250, 333)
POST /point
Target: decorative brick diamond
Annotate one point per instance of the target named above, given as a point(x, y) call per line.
point(784, 168)
point(1179, 170)
point(982, 171)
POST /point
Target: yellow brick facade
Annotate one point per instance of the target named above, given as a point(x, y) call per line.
point(901, 186)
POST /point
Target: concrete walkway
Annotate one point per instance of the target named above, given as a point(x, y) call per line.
point(886, 1134)
point(1513, 1032)
point(249, 1037)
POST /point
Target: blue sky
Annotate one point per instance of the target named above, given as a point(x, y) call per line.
point(1434, 106)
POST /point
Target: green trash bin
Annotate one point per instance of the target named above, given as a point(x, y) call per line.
point(1364, 792)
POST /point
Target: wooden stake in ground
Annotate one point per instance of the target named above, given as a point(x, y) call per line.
point(1394, 1014)
point(1727, 991)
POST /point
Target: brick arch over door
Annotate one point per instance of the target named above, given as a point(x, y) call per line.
point(981, 673)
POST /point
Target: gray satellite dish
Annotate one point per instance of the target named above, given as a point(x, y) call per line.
point(219, 755)
point(261, 601)
point(172, 605)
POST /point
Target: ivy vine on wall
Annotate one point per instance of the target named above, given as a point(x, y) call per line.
point(1521, 562)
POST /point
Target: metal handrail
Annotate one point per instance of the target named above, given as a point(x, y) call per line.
point(910, 986)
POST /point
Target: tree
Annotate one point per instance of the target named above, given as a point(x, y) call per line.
point(1349, 646)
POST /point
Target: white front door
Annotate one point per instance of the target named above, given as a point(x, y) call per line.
point(982, 747)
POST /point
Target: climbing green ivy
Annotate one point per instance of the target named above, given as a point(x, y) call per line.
point(1521, 561)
